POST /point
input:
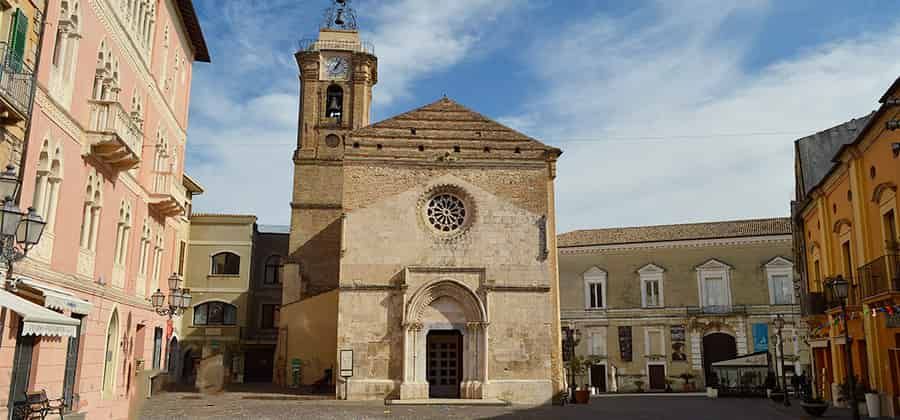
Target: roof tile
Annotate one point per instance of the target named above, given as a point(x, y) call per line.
point(682, 232)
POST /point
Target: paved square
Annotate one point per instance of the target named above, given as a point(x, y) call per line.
point(260, 407)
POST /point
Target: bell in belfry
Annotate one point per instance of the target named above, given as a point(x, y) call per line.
point(339, 21)
point(334, 107)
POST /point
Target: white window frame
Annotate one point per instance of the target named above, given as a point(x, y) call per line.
point(648, 273)
point(662, 341)
point(594, 334)
point(594, 275)
point(779, 266)
point(711, 269)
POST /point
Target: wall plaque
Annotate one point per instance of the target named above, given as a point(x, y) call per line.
point(346, 363)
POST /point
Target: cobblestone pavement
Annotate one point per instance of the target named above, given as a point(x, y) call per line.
point(260, 407)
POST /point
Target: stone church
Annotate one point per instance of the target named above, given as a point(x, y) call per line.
point(422, 248)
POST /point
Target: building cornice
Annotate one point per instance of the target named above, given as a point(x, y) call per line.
point(696, 243)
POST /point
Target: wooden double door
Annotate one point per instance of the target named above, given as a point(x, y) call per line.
point(443, 359)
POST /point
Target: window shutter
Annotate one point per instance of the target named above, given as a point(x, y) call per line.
point(17, 38)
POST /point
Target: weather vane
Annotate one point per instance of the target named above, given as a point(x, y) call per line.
point(340, 16)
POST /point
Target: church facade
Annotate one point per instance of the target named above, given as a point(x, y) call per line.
point(422, 256)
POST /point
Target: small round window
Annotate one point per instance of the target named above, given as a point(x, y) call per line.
point(332, 140)
point(446, 213)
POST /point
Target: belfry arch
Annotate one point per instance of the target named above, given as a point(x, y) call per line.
point(442, 307)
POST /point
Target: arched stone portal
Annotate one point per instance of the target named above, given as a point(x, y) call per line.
point(444, 307)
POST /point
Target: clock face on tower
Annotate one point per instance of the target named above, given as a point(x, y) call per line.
point(337, 67)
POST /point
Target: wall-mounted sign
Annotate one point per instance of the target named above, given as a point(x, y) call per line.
point(346, 363)
point(678, 354)
point(625, 343)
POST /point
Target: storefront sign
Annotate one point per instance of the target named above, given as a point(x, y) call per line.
point(760, 337)
point(625, 343)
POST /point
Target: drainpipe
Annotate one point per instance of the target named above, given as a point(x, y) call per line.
point(37, 68)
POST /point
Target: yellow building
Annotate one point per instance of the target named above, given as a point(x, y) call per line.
point(845, 220)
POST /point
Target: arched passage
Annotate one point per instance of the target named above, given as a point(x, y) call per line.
point(445, 342)
point(716, 348)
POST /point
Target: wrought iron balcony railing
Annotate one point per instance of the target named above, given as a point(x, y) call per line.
point(881, 275)
point(16, 82)
point(321, 45)
point(815, 303)
point(717, 310)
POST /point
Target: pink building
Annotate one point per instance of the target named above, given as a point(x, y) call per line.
point(104, 168)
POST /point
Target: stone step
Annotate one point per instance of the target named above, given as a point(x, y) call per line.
point(449, 401)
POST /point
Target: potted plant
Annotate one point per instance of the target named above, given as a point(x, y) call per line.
point(860, 394)
point(814, 406)
point(578, 366)
point(669, 382)
point(873, 401)
point(688, 385)
point(640, 385)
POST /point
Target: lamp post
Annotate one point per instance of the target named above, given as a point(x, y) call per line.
point(840, 288)
point(179, 299)
point(569, 344)
point(779, 325)
point(19, 232)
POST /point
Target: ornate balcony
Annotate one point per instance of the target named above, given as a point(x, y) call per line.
point(168, 196)
point(16, 87)
point(114, 136)
point(307, 45)
point(880, 276)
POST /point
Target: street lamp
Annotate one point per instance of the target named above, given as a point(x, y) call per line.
point(569, 343)
point(840, 289)
point(19, 231)
point(779, 325)
point(179, 299)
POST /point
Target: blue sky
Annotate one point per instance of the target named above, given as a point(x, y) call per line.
point(667, 111)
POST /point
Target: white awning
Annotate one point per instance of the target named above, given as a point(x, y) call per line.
point(751, 360)
point(55, 298)
point(38, 320)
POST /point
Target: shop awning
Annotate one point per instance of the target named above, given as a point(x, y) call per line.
point(55, 298)
point(759, 359)
point(38, 320)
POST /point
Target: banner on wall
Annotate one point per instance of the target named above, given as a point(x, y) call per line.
point(625, 343)
point(760, 337)
point(678, 354)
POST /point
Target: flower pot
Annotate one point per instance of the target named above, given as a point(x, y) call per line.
point(815, 409)
point(582, 396)
point(712, 392)
point(873, 405)
point(863, 409)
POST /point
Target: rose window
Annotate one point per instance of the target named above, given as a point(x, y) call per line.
point(446, 213)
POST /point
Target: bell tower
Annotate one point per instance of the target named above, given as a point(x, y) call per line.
point(337, 73)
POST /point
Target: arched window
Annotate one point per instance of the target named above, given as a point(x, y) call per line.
point(226, 264)
point(65, 51)
point(93, 202)
point(334, 102)
point(123, 233)
point(215, 313)
point(273, 270)
point(47, 183)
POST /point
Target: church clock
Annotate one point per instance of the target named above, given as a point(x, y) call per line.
point(337, 67)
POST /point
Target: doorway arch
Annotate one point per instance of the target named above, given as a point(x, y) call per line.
point(112, 353)
point(444, 308)
point(717, 347)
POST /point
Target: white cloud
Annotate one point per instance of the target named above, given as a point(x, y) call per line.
point(244, 105)
point(645, 106)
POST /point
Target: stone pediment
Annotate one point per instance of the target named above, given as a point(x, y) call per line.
point(651, 269)
point(779, 262)
point(713, 264)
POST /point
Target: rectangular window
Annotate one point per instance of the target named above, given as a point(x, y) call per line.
point(598, 342)
point(783, 288)
point(157, 346)
point(269, 316)
point(596, 295)
point(714, 291)
point(651, 293)
point(890, 231)
point(18, 34)
point(655, 343)
point(200, 314)
point(818, 273)
point(848, 261)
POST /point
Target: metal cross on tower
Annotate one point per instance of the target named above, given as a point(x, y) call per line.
point(340, 16)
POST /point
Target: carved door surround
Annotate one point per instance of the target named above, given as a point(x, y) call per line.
point(444, 300)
